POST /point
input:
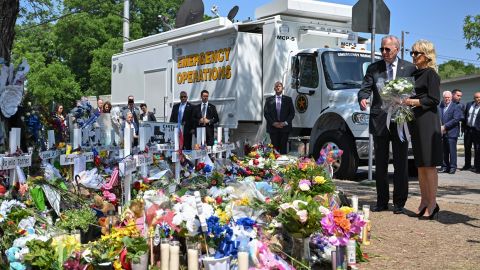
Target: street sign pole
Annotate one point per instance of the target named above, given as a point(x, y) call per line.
point(372, 54)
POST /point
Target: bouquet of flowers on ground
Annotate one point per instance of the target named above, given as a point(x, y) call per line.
point(392, 93)
point(341, 224)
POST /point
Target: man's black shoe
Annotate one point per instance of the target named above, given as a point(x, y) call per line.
point(452, 171)
point(379, 208)
point(398, 210)
point(443, 170)
point(465, 168)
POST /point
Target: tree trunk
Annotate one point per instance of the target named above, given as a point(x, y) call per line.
point(8, 16)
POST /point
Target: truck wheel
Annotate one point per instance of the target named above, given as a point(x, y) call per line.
point(346, 166)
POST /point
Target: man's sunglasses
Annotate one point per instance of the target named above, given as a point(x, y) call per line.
point(415, 53)
point(388, 50)
point(183, 96)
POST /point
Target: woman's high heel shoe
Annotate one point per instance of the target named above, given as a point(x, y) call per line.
point(421, 213)
point(433, 215)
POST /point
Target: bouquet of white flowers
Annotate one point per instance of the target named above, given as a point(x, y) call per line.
point(392, 93)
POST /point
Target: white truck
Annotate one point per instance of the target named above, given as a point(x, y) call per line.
point(306, 44)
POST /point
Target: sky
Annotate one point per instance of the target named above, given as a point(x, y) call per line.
point(440, 21)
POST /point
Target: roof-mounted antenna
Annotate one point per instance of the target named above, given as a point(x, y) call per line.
point(214, 10)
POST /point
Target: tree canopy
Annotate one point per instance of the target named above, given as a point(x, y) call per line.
point(471, 32)
point(454, 69)
point(69, 43)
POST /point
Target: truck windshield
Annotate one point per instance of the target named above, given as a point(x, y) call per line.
point(345, 70)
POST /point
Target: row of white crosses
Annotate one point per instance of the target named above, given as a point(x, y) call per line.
point(15, 163)
point(218, 149)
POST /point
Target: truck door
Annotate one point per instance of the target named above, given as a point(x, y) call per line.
point(305, 89)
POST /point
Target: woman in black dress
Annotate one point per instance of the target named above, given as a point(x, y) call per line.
point(425, 128)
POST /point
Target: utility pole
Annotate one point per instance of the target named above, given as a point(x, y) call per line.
point(126, 20)
point(403, 42)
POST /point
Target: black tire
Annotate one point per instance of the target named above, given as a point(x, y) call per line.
point(346, 166)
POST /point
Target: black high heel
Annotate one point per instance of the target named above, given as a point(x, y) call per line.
point(432, 216)
point(421, 213)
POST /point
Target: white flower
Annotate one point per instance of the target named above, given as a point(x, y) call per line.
point(193, 226)
point(285, 206)
point(303, 215)
point(297, 202)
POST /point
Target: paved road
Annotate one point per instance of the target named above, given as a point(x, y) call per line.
point(461, 187)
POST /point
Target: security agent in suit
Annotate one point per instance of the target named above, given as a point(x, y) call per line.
point(205, 115)
point(146, 115)
point(279, 113)
point(451, 115)
point(472, 133)
point(387, 69)
point(182, 112)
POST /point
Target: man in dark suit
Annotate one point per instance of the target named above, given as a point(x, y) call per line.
point(387, 69)
point(182, 114)
point(472, 133)
point(132, 109)
point(146, 115)
point(451, 115)
point(205, 115)
point(279, 113)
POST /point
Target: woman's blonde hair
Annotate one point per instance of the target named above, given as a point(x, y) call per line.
point(428, 49)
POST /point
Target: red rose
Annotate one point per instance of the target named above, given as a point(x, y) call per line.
point(136, 185)
point(255, 162)
point(97, 161)
point(219, 200)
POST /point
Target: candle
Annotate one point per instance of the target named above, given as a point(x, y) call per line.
point(366, 211)
point(355, 203)
point(199, 136)
point(243, 260)
point(192, 254)
point(174, 255)
point(177, 143)
point(164, 254)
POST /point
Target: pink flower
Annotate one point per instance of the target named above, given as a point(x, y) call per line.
point(304, 185)
point(303, 215)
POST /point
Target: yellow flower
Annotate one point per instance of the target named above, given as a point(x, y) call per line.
point(117, 265)
point(347, 210)
point(243, 201)
point(319, 180)
point(252, 154)
point(209, 199)
point(222, 215)
point(271, 156)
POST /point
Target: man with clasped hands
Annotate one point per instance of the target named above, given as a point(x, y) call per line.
point(389, 68)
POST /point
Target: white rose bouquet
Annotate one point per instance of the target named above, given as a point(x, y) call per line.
point(392, 93)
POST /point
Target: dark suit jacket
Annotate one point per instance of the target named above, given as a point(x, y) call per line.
point(451, 119)
point(212, 115)
point(377, 70)
point(287, 113)
point(151, 116)
point(187, 119)
point(476, 125)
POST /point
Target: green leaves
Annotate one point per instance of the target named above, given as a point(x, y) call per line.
point(454, 69)
point(136, 247)
point(42, 255)
point(69, 43)
point(77, 219)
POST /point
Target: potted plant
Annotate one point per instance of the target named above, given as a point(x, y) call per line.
point(137, 251)
point(80, 219)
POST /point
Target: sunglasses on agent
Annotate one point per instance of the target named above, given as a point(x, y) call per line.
point(386, 49)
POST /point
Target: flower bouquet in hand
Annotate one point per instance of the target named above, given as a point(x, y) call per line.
point(392, 93)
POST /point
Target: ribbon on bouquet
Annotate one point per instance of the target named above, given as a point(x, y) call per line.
point(226, 248)
point(402, 129)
